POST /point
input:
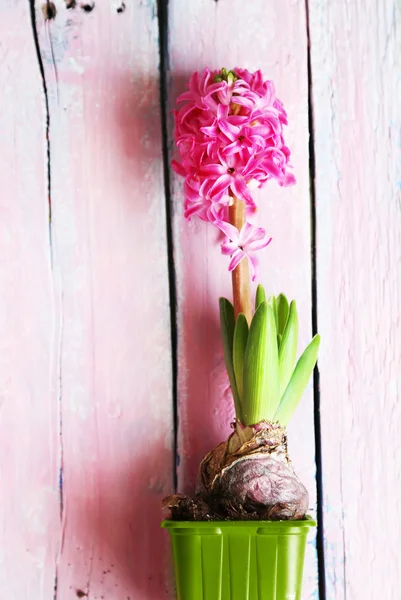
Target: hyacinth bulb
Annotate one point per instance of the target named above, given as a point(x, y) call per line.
point(249, 476)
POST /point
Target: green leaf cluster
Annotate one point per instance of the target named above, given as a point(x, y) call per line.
point(266, 382)
point(226, 75)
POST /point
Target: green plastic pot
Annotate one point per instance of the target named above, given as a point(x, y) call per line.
point(239, 560)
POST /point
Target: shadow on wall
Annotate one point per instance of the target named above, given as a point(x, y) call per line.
point(112, 524)
point(136, 126)
point(132, 538)
point(119, 529)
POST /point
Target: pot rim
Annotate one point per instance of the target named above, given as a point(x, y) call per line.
point(307, 522)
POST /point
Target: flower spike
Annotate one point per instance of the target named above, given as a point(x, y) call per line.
point(229, 132)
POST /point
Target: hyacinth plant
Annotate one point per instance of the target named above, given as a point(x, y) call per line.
point(229, 131)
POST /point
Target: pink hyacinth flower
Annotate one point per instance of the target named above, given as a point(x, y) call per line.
point(242, 244)
point(229, 132)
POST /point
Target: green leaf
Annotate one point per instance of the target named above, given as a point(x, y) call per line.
point(273, 303)
point(240, 339)
point(260, 296)
point(261, 373)
point(227, 324)
point(287, 353)
point(282, 313)
point(298, 382)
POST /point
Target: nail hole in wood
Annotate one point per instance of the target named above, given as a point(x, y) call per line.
point(70, 3)
point(87, 6)
point(49, 11)
point(121, 8)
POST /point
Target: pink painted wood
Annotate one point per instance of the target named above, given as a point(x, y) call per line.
point(356, 105)
point(29, 498)
point(85, 360)
point(87, 375)
point(274, 39)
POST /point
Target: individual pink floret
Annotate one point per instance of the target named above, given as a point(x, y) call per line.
point(244, 243)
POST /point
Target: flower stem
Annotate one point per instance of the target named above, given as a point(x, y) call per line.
point(240, 275)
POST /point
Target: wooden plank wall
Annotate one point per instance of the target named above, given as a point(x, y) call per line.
point(356, 101)
point(112, 383)
point(274, 40)
point(89, 307)
point(29, 411)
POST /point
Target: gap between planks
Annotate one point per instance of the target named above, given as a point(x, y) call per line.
point(162, 15)
point(316, 377)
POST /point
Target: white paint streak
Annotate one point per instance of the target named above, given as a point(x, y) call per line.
point(29, 504)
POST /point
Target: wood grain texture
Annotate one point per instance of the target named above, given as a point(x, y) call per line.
point(271, 37)
point(86, 415)
point(357, 123)
point(106, 416)
point(29, 497)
